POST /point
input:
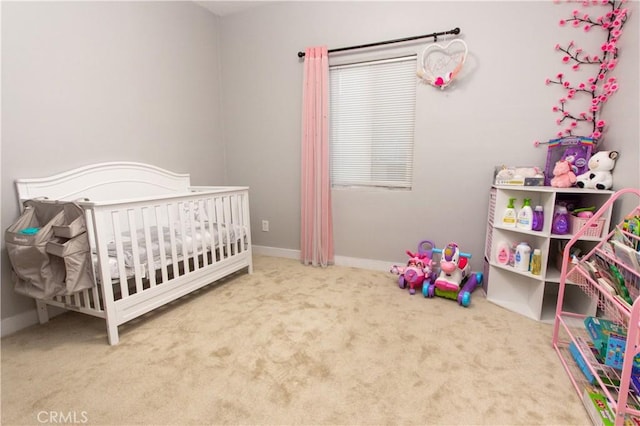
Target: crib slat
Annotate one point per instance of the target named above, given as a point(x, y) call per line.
point(212, 230)
point(135, 250)
point(227, 223)
point(220, 222)
point(98, 302)
point(146, 224)
point(162, 250)
point(172, 237)
point(182, 236)
point(102, 293)
point(203, 231)
point(117, 234)
point(237, 227)
point(193, 237)
point(235, 219)
point(246, 235)
point(93, 300)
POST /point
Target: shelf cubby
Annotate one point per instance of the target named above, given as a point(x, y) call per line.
point(535, 296)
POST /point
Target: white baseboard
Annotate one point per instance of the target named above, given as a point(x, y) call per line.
point(17, 322)
point(353, 262)
point(276, 252)
point(371, 264)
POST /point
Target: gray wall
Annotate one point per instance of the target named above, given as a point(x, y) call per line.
point(172, 85)
point(498, 107)
point(86, 82)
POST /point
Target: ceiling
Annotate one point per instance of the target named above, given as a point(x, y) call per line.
point(224, 8)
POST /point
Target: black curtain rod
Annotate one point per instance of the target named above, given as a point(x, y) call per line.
point(399, 40)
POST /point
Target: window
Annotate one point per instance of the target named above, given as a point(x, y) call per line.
point(372, 115)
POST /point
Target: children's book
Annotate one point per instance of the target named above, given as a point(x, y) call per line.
point(597, 407)
point(631, 225)
point(615, 351)
point(599, 330)
point(620, 283)
point(626, 255)
point(631, 421)
point(623, 302)
point(606, 373)
point(619, 236)
point(634, 383)
point(610, 339)
point(608, 286)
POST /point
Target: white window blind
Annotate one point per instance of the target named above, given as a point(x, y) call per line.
point(372, 116)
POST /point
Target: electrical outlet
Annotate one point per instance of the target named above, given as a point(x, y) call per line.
point(265, 225)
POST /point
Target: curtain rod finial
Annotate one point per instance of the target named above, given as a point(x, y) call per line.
point(300, 54)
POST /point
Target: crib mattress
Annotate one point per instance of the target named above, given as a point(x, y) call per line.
point(186, 243)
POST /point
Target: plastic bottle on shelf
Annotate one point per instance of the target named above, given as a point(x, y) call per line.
point(560, 225)
point(538, 219)
point(525, 215)
point(502, 253)
point(509, 218)
point(523, 257)
point(536, 262)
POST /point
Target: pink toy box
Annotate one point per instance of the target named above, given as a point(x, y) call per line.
point(575, 149)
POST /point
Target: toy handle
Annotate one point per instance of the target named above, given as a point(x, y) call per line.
point(426, 247)
point(462, 254)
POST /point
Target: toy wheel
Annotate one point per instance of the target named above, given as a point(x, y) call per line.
point(412, 291)
point(401, 282)
point(479, 279)
point(466, 299)
point(425, 290)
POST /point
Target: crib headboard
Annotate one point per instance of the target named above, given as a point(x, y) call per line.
point(105, 181)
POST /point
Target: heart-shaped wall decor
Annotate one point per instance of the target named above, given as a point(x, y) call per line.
point(441, 64)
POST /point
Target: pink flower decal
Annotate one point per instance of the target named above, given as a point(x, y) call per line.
point(598, 87)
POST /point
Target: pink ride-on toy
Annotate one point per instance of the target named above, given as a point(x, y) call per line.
point(418, 270)
point(455, 281)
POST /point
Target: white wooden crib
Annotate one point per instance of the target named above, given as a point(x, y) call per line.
point(153, 236)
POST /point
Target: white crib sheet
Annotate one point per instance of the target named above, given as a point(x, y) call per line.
point(114, 271)
point(184, 241)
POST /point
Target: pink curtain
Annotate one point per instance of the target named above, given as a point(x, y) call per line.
point(316, 233)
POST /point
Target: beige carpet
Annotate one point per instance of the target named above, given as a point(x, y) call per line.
point(293, 345)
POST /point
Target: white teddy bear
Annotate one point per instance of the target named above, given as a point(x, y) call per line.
point(599, 175)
